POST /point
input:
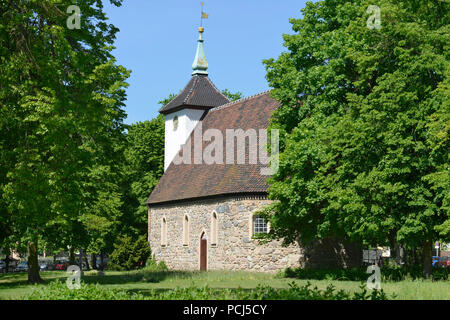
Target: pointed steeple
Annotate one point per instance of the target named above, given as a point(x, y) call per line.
point(200, 65)
point(186, 110)
point(200, 93)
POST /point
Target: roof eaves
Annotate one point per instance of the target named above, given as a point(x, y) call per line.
point(163, 108)
point(212, 196)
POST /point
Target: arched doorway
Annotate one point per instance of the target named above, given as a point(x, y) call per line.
point(203, 252)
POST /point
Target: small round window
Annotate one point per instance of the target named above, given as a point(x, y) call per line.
point(175, 123)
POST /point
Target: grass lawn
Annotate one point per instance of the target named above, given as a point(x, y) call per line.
point(12, 286)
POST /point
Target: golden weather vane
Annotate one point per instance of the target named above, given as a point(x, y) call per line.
point(203, 16)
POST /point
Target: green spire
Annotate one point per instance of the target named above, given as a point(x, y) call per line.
point(200, 64)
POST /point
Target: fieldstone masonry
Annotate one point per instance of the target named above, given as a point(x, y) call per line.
point(235, 248)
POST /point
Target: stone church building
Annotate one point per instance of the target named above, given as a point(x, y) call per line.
point(201, 216)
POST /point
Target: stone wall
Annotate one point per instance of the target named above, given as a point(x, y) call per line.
point(331, 253)
point(235, 248)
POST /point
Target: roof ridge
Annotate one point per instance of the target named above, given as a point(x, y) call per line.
point(229, 104)
point(188, 95)
point(217, 90)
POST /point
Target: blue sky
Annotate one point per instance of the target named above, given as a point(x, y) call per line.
point(158, 40)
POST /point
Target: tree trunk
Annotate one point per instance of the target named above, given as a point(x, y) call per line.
point(427, 259)
point(86, 260)
point(80, 262)
point(7, 260)
point(101, 260)
point(399, 254)
point(71, 256)
point(94, 261)
point(416, 257)
point(33, 265)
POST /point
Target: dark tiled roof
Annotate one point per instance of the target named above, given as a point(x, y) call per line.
point(199, 93)
point(191, 181)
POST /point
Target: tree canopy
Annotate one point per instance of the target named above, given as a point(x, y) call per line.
point(62, 98)
point(364, 124)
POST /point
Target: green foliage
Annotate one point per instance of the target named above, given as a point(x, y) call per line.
point(395, 273)
point(167, 100)
point(152, 265)
point(144, 166)
point(62, 97)
point(232, 96)
point(307, 292)
point(129, 254)
point(59, 291)
point(364, 125)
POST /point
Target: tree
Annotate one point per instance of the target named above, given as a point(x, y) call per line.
point(232, 96)
point(144, 166)
point(61, 92)
point(363, 125)
point(130, 254)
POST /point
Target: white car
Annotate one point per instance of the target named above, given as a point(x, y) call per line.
point(23, 266)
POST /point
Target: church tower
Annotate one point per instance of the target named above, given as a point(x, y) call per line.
point(184, 112)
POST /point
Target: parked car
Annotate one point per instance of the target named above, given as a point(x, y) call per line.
point(435, 261)
point(444, 262)
point(11, 266)
point(43, 266)
point(61, 265)
point(23, 266)
point(105, 262)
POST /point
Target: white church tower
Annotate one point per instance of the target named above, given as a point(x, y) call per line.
point(184, 112)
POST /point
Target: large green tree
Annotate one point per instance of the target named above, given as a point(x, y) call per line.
point(364, 124)
point(61, 94)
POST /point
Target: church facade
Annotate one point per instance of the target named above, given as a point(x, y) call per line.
point(202, 215)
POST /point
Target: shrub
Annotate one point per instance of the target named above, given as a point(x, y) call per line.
point(129, 254)
point(294, 292)
point(59, 291)
point(152, 265)
point(388, 273)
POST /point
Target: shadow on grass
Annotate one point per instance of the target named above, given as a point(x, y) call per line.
point(136, 276)
point(15, 280)
point(155, 292)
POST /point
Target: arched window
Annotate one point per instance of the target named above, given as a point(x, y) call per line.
point(175, 123)
point(214, 229)
point(186, 231)
point(163, 232)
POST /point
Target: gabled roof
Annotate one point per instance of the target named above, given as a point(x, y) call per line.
point(199, 93)
point(192, 181)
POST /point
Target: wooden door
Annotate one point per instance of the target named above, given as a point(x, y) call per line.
point(203, 252)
